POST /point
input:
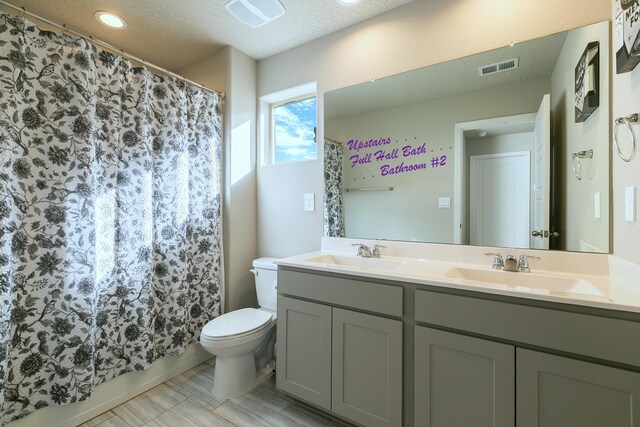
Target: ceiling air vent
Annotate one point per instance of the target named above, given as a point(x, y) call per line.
point(498, 67)
point(255, 13)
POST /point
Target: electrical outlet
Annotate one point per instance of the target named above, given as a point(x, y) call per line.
point(309, 202)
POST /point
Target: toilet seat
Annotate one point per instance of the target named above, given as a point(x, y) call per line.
point(236, 324)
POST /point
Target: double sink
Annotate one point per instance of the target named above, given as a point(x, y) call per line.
point(530, 283)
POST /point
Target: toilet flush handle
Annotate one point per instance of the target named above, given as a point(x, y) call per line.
point(254, 271)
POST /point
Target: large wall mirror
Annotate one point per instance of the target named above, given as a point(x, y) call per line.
point(506, 148)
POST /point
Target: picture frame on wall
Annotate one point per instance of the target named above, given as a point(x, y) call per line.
point(587, 96)
point(626, 34)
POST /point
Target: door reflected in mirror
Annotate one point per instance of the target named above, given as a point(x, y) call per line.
point(474, 151)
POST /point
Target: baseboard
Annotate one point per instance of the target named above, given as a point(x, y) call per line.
point(112, 393)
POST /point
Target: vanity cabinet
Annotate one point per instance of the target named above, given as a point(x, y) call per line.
point(558, 391)
point(390, 353)
point(549, 390)
point(340, 359)
point(462, 381)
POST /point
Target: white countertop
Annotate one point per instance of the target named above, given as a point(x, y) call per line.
point(600, 291)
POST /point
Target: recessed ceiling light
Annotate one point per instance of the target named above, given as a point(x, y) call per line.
point(348, 2)
point(111, 20)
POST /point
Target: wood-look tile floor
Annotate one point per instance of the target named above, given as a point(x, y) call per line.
point(187, 401)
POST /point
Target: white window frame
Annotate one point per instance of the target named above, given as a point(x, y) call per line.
point(266, 119)
point(272, 126)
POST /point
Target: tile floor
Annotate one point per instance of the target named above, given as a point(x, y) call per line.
point(187, 401)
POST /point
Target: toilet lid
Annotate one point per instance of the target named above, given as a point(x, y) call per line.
point(236, 322)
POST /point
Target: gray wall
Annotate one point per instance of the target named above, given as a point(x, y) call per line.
point(575, 208)
point(626, 100)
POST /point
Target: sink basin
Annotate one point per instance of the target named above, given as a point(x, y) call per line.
point(356, 262)
point(527, 281)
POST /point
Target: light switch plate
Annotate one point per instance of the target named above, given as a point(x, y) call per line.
point(596, 205)
point(630, 204)
point(444, 202)
point(309, 202)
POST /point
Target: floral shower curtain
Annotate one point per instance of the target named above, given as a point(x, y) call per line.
point(333, 209)
point(110, 217)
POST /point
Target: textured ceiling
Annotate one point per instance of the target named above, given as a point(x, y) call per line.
point(177, 33)
point(537, 59)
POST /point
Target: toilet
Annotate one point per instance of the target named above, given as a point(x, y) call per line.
point(235, 336)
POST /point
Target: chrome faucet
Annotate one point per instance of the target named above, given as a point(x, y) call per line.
point(363, 250)
point(498, 264)
point(510, 263)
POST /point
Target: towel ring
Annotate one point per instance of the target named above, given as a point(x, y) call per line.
point(627, 121)
point(577, 171)
point(577, 165)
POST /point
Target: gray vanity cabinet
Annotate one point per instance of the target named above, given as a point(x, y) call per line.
point(462, 381)
point(557, 391)
point(356, 347)
point(367, 368)
point(304, 350)
point(341, 359)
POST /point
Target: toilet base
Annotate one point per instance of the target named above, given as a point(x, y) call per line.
point(234, 376)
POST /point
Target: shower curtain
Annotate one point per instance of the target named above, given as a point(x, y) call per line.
point(333, 209)
point(110, 217)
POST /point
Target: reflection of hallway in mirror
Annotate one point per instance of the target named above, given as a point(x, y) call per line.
point(502, 180)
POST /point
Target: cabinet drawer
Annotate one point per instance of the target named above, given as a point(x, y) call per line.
point(589, 335)
point(374, 297)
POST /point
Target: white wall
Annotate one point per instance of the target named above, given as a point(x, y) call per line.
point(410, 211)
point(235, 73)
point(415, 35)
point(626, 100)
point(576, 202)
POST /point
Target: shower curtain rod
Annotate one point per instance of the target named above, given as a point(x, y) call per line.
point(109, 46)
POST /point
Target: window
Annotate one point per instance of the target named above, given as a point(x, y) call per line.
point(294, 130)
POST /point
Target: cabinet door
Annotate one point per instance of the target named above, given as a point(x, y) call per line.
point(555, 391)
point(367, 368)
point(304, 350)
point(462, 381)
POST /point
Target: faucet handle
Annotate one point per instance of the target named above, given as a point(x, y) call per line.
point(523, 262)
point(363, 250)
point(498, 263)
point(376, 250)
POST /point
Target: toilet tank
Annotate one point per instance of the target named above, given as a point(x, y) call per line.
point(266, 274)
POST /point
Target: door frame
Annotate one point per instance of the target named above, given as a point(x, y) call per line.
point(460, 176)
